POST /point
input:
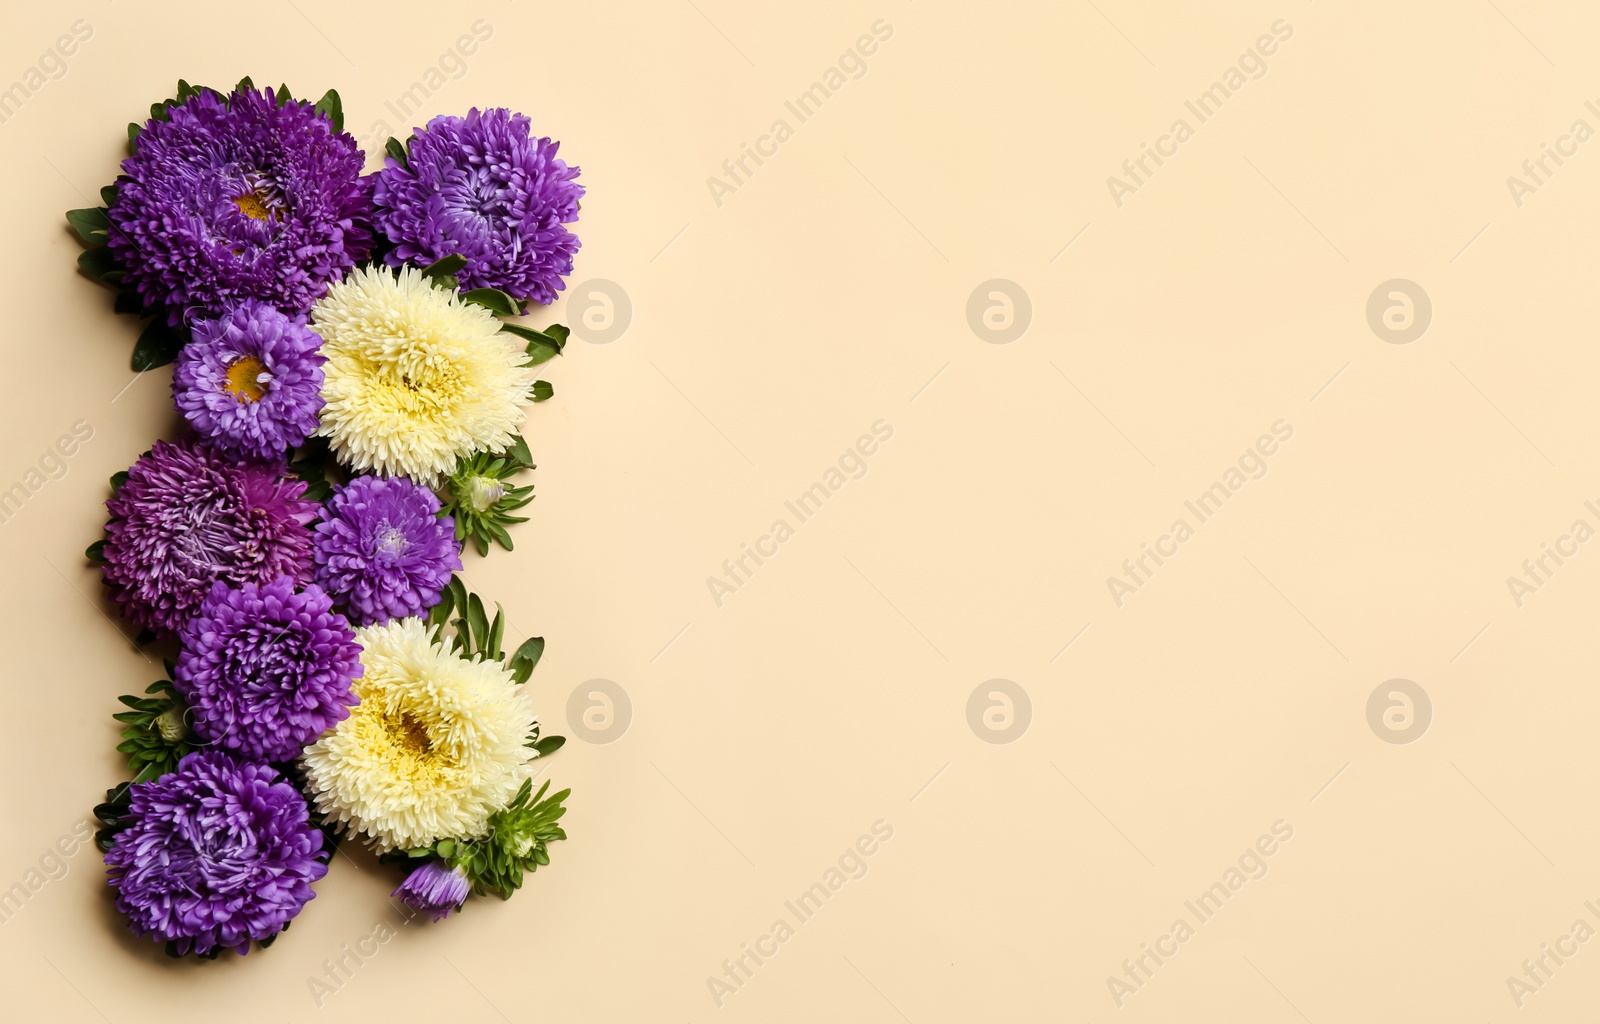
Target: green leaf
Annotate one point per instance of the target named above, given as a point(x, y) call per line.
point(134, 131)
point(91, 225)
point(447, 267)
point(108, 194)
point(331, 105)
point(282, 95)
point(128, 301)
point(542, 390)
point(494, 300)
point(549, 745)
point(396, 152)
point(96, 551)
point(559, 332)
point(519, 451)
point(497, 631)
point(532, 649)
point(245, 85)
point(99, 264)
point(542, 345)
point(521, 669)
point(445, 847)
point(158, 345)
point(118, 478)
point(478, 621)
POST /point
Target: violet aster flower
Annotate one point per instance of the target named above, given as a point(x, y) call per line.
point(188, 516)
point(481, 187)
point(215, 854)
point(382, 549)
point(267, 670)
point(239, 197)
point(435, 888)
point(250, 382)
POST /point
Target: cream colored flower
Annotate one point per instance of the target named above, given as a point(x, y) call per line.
point(435, 746)
point(415, 378)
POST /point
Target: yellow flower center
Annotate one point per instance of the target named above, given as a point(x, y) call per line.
point(251, 206)
point(244, 379)
point(412, 737)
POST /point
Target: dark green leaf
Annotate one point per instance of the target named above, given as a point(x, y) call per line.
point(541, 345)
point(542, 390)
point(519, 451)
point(96, 551)
point(331, 105)
point(158, 345)
point(90, 224)
point(559, 332)
point(245, 85)
point(396, 152)
point(532, 649)
point(128, 301)
point(108, 193)
point(549, 745)
point(493, 299)
point(478, 621)
point(447, 267)
point(118, 478)
point(497, 631)
point(99, 264)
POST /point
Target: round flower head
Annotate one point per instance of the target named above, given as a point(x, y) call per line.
point(382, 549)
point(188, 516)
point(435, 746)
point(215, 854)
point(239, 197)
point(435, 889)
point(481, 187)
point(250, 382)
point(415, 378)
point(267, 670)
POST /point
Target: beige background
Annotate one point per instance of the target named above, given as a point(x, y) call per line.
point(830, 691)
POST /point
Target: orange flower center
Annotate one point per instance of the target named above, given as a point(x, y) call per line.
point(244, 379)
point(252, 206)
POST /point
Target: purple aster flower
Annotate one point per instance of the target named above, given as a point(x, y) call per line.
point(435, 888)
point(250, 382)
point(267, 670)
point(382, 549)
point(215, 854)
point(481, 187)
point(188, 516)
point(239, 197)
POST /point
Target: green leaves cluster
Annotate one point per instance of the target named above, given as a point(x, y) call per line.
point(155, 736)
point(472, 635)
point(488, 472)
point(517, 843)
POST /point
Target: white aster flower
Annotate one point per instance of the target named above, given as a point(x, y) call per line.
point(415, 377)
point(435, 746)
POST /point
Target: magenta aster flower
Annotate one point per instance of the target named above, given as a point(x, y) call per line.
point(188, 516)
point(435, 889)
point(237, 198)
point(382, 549)
point(481, 187)
point(215, 854)
point(267, 670)
point(250, 382)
